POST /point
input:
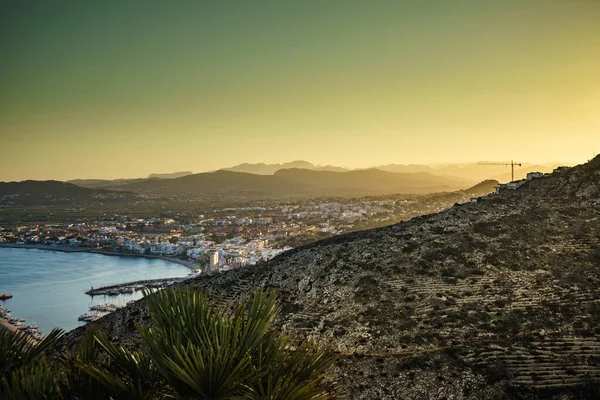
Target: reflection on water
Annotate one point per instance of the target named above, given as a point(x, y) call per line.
point(49, 287)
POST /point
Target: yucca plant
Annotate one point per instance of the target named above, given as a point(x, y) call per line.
point(32, 381)
point(99, 369)
point(199, 348)
point(206, 351)
point(125, 374)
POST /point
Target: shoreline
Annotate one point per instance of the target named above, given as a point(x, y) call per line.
point(189, 264)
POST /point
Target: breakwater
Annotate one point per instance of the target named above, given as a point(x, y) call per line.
point(129, 287)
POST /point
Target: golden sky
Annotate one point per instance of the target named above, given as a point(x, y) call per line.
point(123, 89)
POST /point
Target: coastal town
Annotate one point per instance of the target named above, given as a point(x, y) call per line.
point(226, 238)
point(221, 239)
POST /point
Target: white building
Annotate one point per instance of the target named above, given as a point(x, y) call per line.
point(533, 175)
point(214, 260)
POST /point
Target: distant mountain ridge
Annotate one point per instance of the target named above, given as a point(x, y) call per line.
point(270, 169)
point(103, 183)
point(298, 182)
point(472, 172)
point(170, 175)
point(54, 192)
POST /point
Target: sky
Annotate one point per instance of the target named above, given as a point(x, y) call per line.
point(110, 89)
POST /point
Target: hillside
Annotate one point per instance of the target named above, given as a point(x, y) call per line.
point(53, 192)
point(103, 183)
point(119, 183)
point(486, 187)
point(296, 182)
point(471, 171)
point(170, 175)
point(493, 299)
point(214, 184)
point(371, 181)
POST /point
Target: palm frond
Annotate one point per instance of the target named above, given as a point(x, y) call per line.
point(17, 349)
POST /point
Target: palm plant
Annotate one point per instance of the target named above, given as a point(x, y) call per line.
point(100, 369)
point(24, 371)
point(205, 351)
point(111, 371)
point(198, 348)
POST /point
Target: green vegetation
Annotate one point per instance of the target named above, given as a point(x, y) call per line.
point(195, 348)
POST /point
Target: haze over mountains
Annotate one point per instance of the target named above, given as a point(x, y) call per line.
point(270, 169)
point(453, 172)
point(472, 171)
point(297, 178)
point(296, 182)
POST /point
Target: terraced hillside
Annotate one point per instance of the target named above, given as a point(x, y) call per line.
point(494, 299)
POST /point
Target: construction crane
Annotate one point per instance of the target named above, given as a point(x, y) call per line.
point(511, 163)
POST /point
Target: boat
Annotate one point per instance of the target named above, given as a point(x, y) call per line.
point(91, 317)
point(112, 292)
point(5, 296)
point(84, 317)
point(107, 307)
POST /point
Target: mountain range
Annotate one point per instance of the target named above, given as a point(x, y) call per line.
point(472, 172)
point(27, 193)
point(492, 299)
point(297, 182)
point(270, 169)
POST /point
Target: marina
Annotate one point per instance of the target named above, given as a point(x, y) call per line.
point(19, 325)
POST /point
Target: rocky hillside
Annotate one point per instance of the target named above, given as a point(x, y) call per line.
point(486, 300)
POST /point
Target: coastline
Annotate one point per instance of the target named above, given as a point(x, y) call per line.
point(189, 264)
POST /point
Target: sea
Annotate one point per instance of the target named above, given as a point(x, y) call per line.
point(48, 287)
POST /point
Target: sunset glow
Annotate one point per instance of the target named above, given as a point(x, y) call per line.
point(123, 89)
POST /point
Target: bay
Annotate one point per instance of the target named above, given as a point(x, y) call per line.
point(49, 287)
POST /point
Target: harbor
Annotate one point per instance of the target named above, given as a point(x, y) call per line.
point(49, 287)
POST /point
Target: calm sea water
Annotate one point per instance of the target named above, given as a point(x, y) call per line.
point(49, 287)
